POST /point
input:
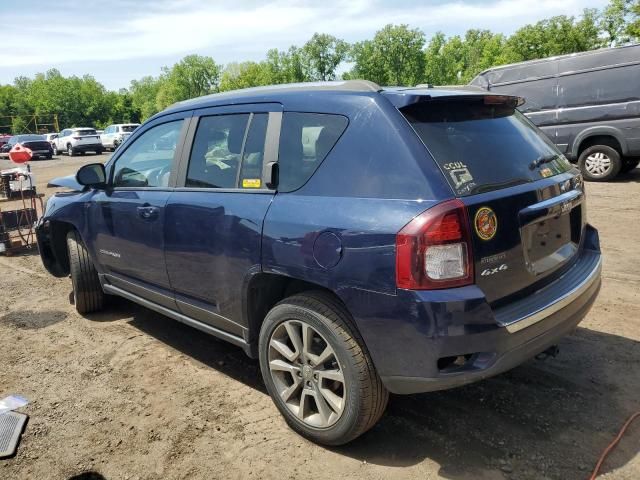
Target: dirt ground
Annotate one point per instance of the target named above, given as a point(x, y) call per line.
point(129, 394)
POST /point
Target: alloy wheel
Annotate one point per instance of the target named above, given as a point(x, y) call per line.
point(307, 374)
point(598, 164)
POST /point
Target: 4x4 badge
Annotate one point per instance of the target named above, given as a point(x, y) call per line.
point(485, 223)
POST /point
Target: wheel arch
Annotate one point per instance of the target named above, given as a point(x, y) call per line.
point(262, 291)
point(52, 242)
point(601, 135)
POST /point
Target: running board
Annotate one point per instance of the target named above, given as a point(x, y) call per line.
point(203, 327)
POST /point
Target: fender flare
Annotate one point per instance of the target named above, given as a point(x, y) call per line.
point(598, 131)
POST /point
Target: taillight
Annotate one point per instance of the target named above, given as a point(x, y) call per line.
point(77, 138)
point(434, 249)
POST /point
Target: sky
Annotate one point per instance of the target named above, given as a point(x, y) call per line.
point(117, 41)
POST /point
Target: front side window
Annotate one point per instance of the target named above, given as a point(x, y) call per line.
point(148, 160)
point(228, 152)
point(305, 140)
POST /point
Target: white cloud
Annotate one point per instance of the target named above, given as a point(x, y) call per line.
point(238, 30)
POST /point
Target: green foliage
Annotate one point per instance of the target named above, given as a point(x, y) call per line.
point(554, 36)
point(396, 55)
point(613, 22)
point(194, 76)
point(244, 75)
point(322, 55)
point(143, 96)
point(393, 57)
point(633, 29)
point(458, 60)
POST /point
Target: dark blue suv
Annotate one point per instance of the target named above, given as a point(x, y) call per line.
point(356, 240)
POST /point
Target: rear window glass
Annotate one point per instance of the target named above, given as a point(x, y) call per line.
point(128, 128)
point(482, 147)
point(305, 140)
point(85, 131)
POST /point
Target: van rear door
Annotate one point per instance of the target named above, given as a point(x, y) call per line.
point(525, 200)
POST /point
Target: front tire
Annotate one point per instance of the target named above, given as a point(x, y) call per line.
point(87, 291)
point(55, 150)
point(600, 163)
point(317, 369)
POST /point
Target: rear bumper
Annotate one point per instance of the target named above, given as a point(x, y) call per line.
point(453, 337)
point(90, 147)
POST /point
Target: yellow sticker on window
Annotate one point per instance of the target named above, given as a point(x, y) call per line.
point(251, 183)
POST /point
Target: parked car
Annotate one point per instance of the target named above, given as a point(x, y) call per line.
point(4, 139)
point(50, 137)
point(587, 103)
point(37, 143)
point(114, 135)
point(356, 240)
point(77, 140)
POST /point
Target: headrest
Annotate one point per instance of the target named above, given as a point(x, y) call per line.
point(235, 137)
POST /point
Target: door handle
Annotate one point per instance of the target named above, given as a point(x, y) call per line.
point(147, 212)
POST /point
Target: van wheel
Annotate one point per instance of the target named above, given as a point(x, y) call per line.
point(87, 291)
point(629, 165)
point(600, 163)
point(318, 371)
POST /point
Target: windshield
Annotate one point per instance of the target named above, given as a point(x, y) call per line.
point(128, 128)
point(482, 147)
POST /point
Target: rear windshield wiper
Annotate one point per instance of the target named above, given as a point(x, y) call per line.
point(487, 187)
point(541, 160)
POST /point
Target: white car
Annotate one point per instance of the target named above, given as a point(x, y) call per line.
point(114, 135)
point(50, 137)
point(77, 140)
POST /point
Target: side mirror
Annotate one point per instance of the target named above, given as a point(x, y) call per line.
point(92, 175)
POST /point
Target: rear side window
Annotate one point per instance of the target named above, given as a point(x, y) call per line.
point(228, 151)
point(305, 140)
point(481, 145)
point(215, 155)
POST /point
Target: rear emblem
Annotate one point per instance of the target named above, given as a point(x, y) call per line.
point(485, 223)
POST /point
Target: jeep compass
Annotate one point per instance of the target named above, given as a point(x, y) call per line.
point(356, 240)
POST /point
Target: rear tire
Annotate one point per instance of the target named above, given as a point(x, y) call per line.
point(70, 151)
point(600, 163)
point(347, 393)
point(87, 291)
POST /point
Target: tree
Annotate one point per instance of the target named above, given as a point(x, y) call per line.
point(393, 57)
point(614, 22)
point(144, 94)
point(322, 55)
point(193, 76)
point(633, 29)
point(286, 67)
point(554, 36)
point(244, 75)
point(458, 60)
